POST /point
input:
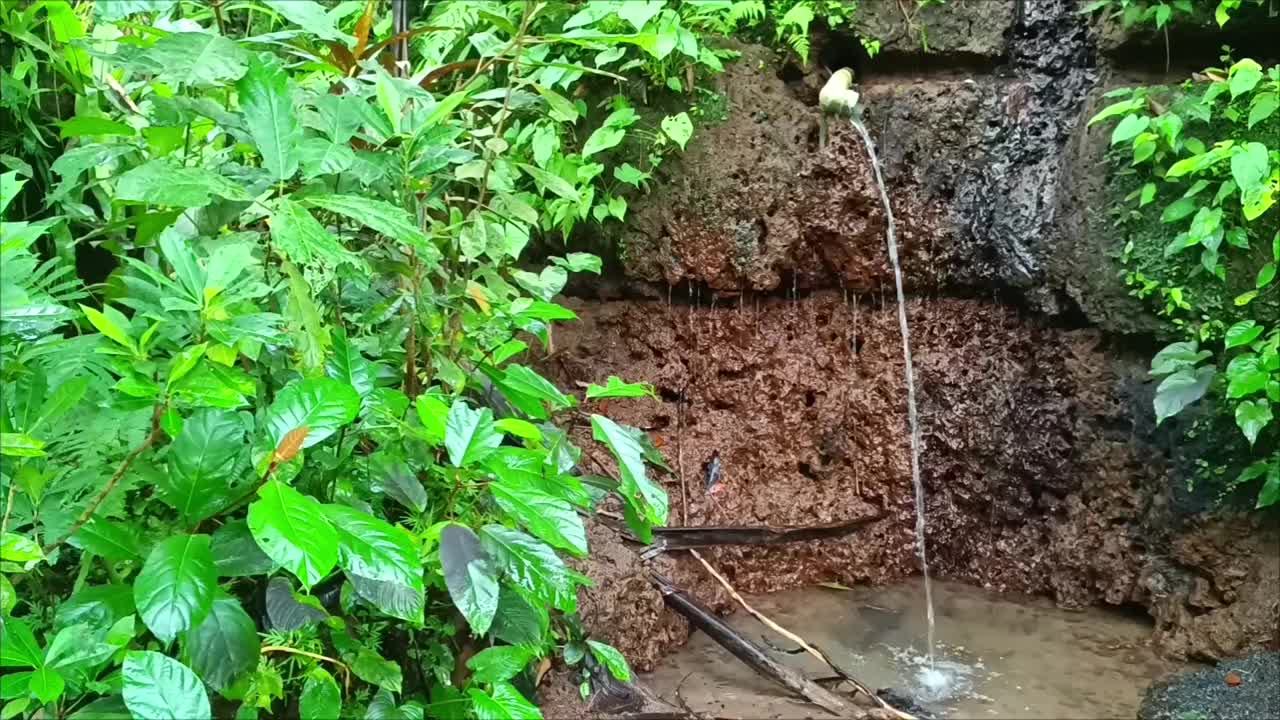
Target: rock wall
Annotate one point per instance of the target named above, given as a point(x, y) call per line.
point(754, 292)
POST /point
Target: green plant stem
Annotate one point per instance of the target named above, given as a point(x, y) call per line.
point(87, 515)
point(512, 74)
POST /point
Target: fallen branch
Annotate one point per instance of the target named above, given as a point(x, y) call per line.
point(795, 638)
point(684, 538)
point(748, 652)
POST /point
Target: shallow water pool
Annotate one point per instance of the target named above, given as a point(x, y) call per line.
point(996, 657)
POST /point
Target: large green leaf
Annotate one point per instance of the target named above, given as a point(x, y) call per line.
point(609, 656)
point(174, 591)
point(498, 663)
point(1252, 416)
point(469, 434)
point(636, 489)
point(390, 598)
point(320, 699)
point(321, 405)
point(292, 529)
point(382, 217)
point(288, 611)
point(397, 480)
point(375, 550)
point(532, 566)
point(160, 182)
point(547, 517)
point(311, 17)
point(321, 156)
point(203, 464)
point(503, 702)
point(112, 539)
point(519, 622)
point(1180, 390)
point(302, 239)
point(190, 58)
point(236, 553)
point(224, 645)
point(18, 647)
point(347, 365)
point(267, 103)
point(470, 576)
point(157, 687)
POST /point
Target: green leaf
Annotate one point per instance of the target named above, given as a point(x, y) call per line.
point(630, 175)
point(554, 183)
point(347, 365)
point(174, 591)
point(559, 108)
point(639, 12)
point(224, 646)
point(321, 156)
point(193, 58)
point(1177, 356)
point(374, 549)
point(519, 428)
point(388, 96)
point(518, 622)
point(1270, 492)
point(532, 566)
point(292, 530)
point(111, 539)
point(1245, 376)
point(469, 434)
point(470, 576)
point(614, 387)
point(286, 610)
point(609, 656)
point(549, 518)
point(159, 182)
point(1249, 165)
point(1120, 108)
point(528, 391)
point(83, 125)
point(1264, 106)
point(393, 476)
point(636, 488)
point(19, 647)
point(157, 687)
point(602, 139)
point(1129, 128)
point(678, 127)
point(379, 216)
point(1200, 161)
point(266, 100)
point(311, 17)
point(1178, 209)
point(1180, 390)
point(20, 445)
point(1243, 333)
point(495, 664)
point(236, 553)
point(1252, 416)
point(16, 548)
point(46, 685)
point(204, 463)
point(321, 405)
point(299, 237)
point(1243, 77)
point(321, 699)
point(504, 702)
point(1266, 274)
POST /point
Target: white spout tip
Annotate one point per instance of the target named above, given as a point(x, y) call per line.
point(837, 96)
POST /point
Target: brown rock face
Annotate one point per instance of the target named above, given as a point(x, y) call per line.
point(781, 354)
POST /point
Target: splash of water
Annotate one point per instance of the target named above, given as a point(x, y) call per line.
point(912, 419)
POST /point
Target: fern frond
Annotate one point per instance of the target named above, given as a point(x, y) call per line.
point(749, 12)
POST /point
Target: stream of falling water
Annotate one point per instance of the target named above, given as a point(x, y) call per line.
point(931, 677)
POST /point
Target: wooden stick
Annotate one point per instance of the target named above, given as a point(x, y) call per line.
point(794, 637)
point(748, 652)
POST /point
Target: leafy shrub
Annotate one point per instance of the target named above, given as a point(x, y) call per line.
point(1203, 162)
point(288, 443)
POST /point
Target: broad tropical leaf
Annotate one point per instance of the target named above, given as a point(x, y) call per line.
point(203, 464)
point(224, 645)
point(157, 687)
point(469, 434)
point(292, 530)
point(174, 591)
point(322, 405)
point(532, 566)
point(267, 103)
point(321, 699)
point(470, 576)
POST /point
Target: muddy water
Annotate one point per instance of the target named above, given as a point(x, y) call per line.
point(1006, 659)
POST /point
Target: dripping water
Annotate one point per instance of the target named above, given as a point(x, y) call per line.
point(931, 676)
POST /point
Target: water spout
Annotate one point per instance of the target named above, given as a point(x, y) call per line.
point(839, 98)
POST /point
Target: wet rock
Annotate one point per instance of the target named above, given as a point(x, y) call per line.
point(1244, 689)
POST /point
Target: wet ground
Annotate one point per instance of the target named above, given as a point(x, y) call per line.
point(1003, 657)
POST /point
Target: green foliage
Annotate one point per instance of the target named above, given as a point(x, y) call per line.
point(284, 443)
point(1161, 13)
point(1204, 240)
